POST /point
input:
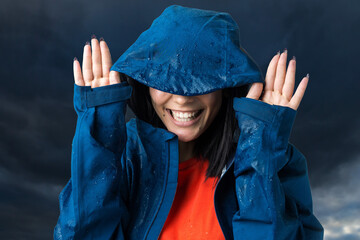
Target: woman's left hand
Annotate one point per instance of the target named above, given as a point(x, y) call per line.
point(279, 84)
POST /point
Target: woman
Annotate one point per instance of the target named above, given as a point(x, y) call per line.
point(186, 78)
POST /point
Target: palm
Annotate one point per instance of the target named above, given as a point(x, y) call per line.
point(279, 84)
point(96, 66)
point(274, 98)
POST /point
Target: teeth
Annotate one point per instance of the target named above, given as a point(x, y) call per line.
point(183, 117)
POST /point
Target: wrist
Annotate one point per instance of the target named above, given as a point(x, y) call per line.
point(274, 121)
point(87, 97)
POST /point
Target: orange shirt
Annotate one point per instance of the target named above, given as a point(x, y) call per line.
point(192, 215)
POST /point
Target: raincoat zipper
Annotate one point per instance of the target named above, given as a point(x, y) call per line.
point(168, 146)
point(225, 170)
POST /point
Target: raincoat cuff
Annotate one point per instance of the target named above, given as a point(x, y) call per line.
point(87, 97)
point(270, 123)
point(265, 112)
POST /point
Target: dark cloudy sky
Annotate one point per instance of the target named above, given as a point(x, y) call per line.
point(39, 39)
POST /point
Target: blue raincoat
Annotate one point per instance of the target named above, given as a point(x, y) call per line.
point(124, 175)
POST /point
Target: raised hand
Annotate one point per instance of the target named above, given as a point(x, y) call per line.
point(280, 83)
point(95, 66)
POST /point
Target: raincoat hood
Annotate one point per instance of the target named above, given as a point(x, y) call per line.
point(189, 51)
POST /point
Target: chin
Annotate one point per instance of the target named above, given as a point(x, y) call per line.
point(186, 137)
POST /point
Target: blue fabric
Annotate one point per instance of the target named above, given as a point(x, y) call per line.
point(189, 51)
point(124, 175)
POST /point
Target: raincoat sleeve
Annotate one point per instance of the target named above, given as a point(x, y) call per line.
point(93, 203)
point(272, 185)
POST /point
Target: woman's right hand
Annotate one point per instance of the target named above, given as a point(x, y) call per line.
point(95, 66)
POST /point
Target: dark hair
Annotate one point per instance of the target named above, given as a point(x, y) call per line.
point(217, 143)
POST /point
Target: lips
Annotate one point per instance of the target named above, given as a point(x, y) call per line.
point(184, 118)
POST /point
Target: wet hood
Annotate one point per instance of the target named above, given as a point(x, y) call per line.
point(189, 51)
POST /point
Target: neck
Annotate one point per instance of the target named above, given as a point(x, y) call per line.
point(186, 150)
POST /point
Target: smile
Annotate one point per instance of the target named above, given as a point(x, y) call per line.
point(184, 118)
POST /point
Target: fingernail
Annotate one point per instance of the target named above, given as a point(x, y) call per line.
point(101, 39)
point(294, 58)
point(278, 53)
point(285, 50)
point(87, 43)
point(75, 59)
point(308, 76)
point(93, 36)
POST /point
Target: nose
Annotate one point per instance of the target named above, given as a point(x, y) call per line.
point(182, 100)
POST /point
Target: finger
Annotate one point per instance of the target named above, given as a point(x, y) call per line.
point(96, 57)
point(271, 72)
point(288, 88)
point(255, 91)
point(86, 65)
point(100, 82)
point(299, 93)
point(114, 77)
point(105, 58)
point(77, 73)
point(280, 72)
point(95, 83)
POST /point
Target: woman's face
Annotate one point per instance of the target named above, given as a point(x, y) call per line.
point(186, 116)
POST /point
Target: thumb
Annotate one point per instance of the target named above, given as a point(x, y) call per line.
point(255, 91)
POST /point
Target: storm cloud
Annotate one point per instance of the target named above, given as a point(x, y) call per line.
point(39, 39)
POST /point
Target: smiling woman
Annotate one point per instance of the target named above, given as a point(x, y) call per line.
point(186, 116)
point(179, 170)
point(215, 142)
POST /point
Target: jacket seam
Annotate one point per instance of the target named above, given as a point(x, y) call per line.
point(197, 34)
point(76, 165)
point(273, 171)
point(162, 195)
point(226, 38)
